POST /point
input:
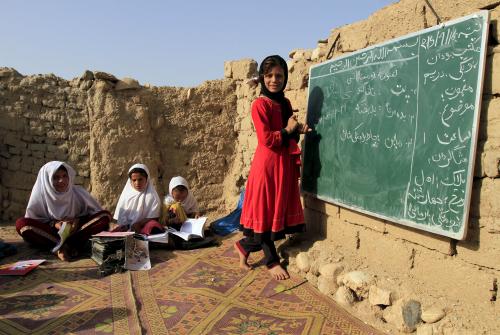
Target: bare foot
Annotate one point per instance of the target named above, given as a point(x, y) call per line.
point(62, 254)
point(279, 273)
point(243, 259)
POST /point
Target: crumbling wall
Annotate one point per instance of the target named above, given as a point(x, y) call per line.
point(101, 126)
point(42, 118)
point(195, 137)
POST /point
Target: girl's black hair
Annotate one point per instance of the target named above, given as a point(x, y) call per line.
point(138, 170)
point(180, 188)
point(265, 67)
point(62, 167)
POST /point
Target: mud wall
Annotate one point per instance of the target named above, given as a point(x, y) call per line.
point(101, 126)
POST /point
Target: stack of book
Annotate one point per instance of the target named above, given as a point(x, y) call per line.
point(108, 251)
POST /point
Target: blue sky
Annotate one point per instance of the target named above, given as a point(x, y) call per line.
point(164, 43)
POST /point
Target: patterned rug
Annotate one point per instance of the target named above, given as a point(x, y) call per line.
point(186, 292)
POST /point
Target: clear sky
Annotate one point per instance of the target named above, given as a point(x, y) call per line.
point(164, 43)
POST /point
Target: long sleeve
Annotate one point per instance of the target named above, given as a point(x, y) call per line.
point(262, 122)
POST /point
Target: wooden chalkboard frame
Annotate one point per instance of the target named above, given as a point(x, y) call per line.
point(461, 234)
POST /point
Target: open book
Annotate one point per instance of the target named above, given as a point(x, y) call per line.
point(64, 233)
point(191, 228)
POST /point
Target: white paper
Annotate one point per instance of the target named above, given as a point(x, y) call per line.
point(190, 228)
point(159, 238)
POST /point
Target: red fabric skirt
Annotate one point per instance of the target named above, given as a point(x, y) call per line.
point(272, 207)
point(42, 235)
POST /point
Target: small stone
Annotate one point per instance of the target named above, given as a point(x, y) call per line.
point(331, 270)
point(359, 282)
point(379, 296)
point(303, 262)
point(412, 313)
point(344, 296)
point(403, 314)
point(326, 285)
point(432, 314)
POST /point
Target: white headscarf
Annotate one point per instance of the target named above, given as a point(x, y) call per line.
point(133, 205)
point(47, 204)
point(189, 204)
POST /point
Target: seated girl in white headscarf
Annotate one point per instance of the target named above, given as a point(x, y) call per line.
point(179, 204)
point(55, 200)
point(138, 208)
point(177, 207)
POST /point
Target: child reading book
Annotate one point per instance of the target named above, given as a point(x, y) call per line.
point(138, 208)
point(57, 205)
point(179, 204)
point(178, 207)
point(191, 228)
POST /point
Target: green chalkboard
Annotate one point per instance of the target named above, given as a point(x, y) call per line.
point(395, 127)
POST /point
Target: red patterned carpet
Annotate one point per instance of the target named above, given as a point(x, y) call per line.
point(186, 292)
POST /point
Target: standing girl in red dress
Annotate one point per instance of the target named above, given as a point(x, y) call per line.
point(272, 206)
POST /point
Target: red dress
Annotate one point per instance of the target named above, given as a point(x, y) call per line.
point(272, 204)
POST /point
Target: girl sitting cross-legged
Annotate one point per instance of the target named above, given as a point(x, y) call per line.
point(138, 208)
point(55, 200)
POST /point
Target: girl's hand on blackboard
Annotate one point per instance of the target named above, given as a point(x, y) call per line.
point(303, 128)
